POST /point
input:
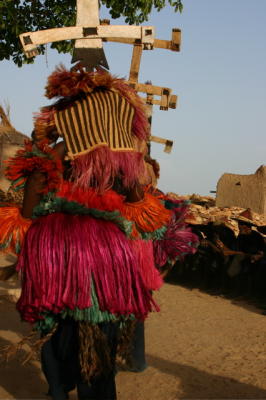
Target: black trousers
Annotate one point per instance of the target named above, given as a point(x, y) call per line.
point(138, 359)
point(60, 364)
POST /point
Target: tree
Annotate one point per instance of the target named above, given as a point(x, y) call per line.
point(17, 16)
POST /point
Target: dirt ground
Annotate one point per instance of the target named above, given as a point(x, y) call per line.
point(198, 347)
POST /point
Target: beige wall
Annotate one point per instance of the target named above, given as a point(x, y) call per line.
point(247, 191)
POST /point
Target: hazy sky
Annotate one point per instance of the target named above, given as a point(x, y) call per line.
point(219, 77)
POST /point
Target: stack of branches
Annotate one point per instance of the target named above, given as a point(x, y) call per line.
point(203, 211)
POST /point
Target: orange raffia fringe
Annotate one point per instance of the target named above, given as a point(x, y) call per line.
point(13, 228)
point(148, 214)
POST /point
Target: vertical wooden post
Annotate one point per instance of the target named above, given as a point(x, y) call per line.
point(135, 63)
point(87, 15)
point(89, 50)
point(149, 106)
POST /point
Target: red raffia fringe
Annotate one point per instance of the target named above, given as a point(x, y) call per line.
point(90, 198)
point(28, 160)
point(60, 256)
point(148, 214)
point(13, 228)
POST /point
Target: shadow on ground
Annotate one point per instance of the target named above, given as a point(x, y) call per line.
point(19, 381)
point(197, 384)
point(241, 300)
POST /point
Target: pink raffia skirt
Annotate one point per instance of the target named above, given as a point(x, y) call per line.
point(64, 254)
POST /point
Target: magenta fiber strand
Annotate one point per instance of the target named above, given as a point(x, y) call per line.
point(151, 276)
point(99, 167)
point(178, 241)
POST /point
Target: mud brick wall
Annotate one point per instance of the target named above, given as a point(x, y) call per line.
point(246, 191)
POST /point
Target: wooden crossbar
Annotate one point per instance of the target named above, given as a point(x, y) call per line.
point(168, 143)
point(30, 40)
point(167, 100)
point(173, 44)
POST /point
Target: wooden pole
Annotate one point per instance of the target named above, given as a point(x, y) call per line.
point(135, 63)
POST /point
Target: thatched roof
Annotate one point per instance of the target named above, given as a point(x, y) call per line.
point(10, 141)
point(8, 134)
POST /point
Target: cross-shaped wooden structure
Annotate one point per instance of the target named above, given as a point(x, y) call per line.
point(89, 34)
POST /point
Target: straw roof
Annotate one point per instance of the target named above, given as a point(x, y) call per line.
point(8, 134)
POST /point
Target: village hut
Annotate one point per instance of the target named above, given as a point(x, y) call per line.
point(246, 191)
point(10, 141)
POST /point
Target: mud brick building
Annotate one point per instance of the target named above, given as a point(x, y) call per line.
point(246, 191)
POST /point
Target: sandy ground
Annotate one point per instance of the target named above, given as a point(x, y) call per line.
point(198, 347)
